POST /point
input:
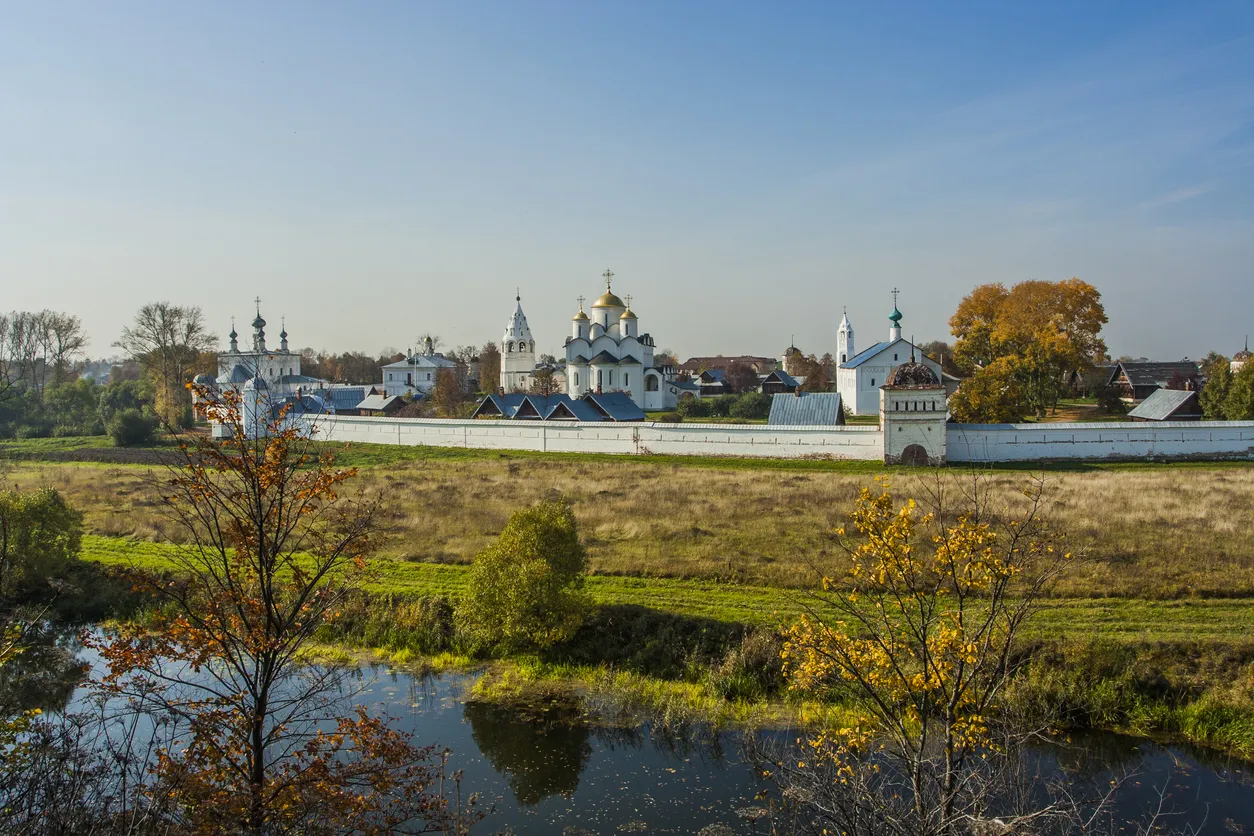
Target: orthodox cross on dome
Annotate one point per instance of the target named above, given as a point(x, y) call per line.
point(517, 294)
point(581, 301)
point(258, 301)
point(628, 298)
point(608, 275)
point(895, 316)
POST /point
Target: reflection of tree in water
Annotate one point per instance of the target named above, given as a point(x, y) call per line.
point(538, 755)
point(45, 674)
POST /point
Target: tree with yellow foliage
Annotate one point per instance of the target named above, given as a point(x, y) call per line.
point(918, 639)
point(1042, 330)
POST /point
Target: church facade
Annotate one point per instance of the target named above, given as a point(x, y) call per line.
point(265, 378)
point(607, 352)
point(860, 375)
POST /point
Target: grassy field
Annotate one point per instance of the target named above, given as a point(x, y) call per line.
point(1152, 531)
point(1217, 620)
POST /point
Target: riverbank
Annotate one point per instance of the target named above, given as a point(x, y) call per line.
point(684, 650)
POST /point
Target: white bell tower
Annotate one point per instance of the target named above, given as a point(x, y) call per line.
point(518, 351)
point(844, 339)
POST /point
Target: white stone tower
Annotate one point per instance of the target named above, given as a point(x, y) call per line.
point(844, 339)
point(518, 351)
point(913, 413)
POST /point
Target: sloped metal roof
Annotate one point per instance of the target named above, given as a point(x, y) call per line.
point(344, 397)
point(604, 358)
point(616, 406)
point(1167, 405)
point(304, 405)
point(806, 409)
point(1155, 374)
point(782, 376)
point(237, 374)
point(298, 378)
point(866, 354)
point(377, 402)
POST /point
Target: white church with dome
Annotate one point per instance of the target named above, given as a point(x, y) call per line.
point(860, 374)
point(607, 352)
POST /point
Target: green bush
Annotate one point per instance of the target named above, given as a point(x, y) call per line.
point(694, 408)
point(132, 428)
point(670, 418)
point(125, 394)
point(526, 589)
point(42, 534)
point(751, 405)
point(721, 407)
point(1108, 398)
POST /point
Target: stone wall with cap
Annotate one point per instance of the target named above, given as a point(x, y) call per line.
point(904, 426)
point(643, 438)
point(1145, 440)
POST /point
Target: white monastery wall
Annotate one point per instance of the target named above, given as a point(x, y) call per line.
point(965, 442)
point(1145, 439)
point(628, 438)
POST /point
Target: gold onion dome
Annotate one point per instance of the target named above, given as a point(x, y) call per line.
point(608, 300)
point(580, 317)
point(627, 314)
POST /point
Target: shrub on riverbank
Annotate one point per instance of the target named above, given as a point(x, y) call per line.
point(526, 589)
point(1199, 692)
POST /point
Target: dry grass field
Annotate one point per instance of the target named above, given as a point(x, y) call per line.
point(1153, 532)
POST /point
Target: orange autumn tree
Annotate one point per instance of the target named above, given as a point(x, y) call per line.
point(918, 639)
point(266, 549)
point(1023, 341)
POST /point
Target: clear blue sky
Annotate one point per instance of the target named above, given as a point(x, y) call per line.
point(379, 170)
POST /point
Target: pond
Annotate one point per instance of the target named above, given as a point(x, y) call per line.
point(553, 772)
point(545, 776)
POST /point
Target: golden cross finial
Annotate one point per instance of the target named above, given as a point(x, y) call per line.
point(581, 299)
point(628, 298)
point(608, 275)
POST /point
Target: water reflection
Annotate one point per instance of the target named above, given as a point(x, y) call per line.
point(543, 771)
point(539, 754)
point(46, 672)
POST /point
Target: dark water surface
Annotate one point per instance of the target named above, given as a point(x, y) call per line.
point(551, 772)
point(546, 776)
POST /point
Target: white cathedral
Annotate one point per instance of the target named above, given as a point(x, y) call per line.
point(608, 353)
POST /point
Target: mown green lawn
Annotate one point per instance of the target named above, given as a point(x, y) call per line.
point(1216, 620)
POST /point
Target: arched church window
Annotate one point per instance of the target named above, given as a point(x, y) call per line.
point(576, 378)
point(650, 383)
point(510, 349)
